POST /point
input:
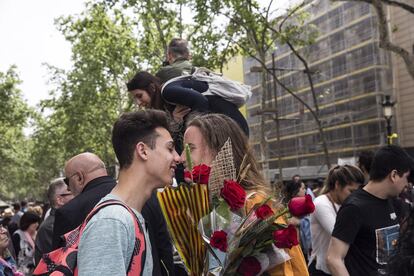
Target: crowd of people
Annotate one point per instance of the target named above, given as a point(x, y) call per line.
point(362, 223)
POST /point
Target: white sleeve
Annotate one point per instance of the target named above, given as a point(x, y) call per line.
point(325, 215)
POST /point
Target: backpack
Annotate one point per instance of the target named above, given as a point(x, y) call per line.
point(63, 261)
point(232, 91)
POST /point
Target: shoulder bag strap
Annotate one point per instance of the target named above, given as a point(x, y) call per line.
point(139, 254)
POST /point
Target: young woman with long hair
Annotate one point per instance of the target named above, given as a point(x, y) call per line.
point(206, 135)
point(340, 183)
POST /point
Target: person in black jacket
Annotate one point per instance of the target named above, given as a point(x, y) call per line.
point(58, 195)
point(87, 179)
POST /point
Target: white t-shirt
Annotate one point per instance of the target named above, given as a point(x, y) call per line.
point(322, 225)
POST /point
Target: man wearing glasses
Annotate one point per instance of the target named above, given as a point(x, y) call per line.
point(88, 180)
point(58, 195)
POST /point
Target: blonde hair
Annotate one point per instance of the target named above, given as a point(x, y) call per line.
point(216, 130)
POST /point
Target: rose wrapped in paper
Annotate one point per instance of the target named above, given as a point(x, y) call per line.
point(199, 174)
point(233, 194)
point(256, 235)
point(249, 236)
point(252, 232)
point(301, 206)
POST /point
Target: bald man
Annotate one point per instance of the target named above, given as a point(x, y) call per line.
point(88, 180)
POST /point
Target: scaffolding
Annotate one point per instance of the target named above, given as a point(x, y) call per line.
point(353, 74)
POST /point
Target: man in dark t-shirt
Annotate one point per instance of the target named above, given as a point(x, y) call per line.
point(367, 225)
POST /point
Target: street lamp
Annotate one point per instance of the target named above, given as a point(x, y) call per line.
point(387, 109)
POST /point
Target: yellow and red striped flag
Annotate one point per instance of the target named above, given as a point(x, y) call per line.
point(183, 207)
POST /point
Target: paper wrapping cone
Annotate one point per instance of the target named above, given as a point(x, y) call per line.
point(183, 207)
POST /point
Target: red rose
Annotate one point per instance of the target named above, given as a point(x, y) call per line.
point(201, 174)
point(249, 266)
point(301, 206)
point(264, 211)
point(286, 237)
point(187, 175)
point(233, 194)
point(219, 240)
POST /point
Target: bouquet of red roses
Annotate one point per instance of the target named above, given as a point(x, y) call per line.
point(248, 243)
point(241, 241)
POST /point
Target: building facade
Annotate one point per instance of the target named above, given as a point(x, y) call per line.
point(403, 83)
point(351, 75)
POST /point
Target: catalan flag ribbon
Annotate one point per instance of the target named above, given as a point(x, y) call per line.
point(183, 207)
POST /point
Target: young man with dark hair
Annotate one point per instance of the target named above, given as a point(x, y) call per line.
point(367, 225)
point(147, 159)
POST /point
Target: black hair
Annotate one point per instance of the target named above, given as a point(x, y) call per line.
point(23, 203)
point(365, 160)
point(343, 175)
point(151, 84)
point(134, 127)
point(291, 189)
point(6, 221)
point(27, 219)
point(16, 206)
point(387, 159)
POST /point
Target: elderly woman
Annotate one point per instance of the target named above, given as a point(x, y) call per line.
point(7, 263)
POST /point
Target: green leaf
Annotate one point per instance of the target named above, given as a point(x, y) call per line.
point(189, 161)
point(223, 209)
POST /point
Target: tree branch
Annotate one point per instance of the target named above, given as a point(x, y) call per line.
point(263, 34)
point(292, 12)
point(223, 56)
point(154, 14)
point(308, 74)
point(401, 5)
point(385, 42)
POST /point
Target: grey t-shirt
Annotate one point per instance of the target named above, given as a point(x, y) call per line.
point(107, 243)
